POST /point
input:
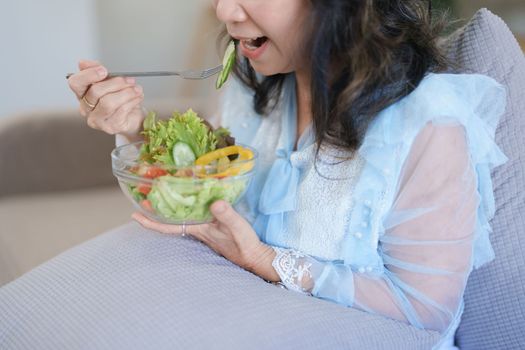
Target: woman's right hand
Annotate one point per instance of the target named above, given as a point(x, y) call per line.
point(112, 105)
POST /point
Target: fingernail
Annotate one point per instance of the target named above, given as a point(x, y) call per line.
point(101, 71)
point(130, 80)
point(138, 89)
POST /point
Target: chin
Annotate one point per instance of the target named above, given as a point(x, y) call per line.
point(263, 69)
point(267, 70)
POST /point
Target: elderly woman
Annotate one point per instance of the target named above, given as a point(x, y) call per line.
point(374, 188)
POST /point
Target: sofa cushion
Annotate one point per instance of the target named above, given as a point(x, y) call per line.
point(135, 289)
point(494, 316)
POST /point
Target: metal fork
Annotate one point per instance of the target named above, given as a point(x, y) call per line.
point(186, 74)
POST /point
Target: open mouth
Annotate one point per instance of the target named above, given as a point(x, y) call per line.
point(254, 44)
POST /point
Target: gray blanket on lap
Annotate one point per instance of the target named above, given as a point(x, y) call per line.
point(135, 289)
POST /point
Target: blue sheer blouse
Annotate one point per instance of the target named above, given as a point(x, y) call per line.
point(394, 228)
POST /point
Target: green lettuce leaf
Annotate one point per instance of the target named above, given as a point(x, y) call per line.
point(178, 198)
point(162, 135)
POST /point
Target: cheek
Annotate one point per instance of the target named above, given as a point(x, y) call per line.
point(291, 47)
point(291, 38)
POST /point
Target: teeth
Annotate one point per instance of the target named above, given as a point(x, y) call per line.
point(254, 44)
point(251, 44)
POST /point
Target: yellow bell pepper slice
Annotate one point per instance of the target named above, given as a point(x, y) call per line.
point(244, 154)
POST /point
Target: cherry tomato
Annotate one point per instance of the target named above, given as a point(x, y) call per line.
point(146, 205)
point(144, 189)
point(154, 172)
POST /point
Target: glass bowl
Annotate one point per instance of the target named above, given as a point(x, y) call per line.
point(180, 195)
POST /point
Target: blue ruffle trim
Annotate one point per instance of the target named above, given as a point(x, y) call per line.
point(475, 101)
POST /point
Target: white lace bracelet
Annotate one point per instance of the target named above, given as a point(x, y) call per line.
point(291, 273)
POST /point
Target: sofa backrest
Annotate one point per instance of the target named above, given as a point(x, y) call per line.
point(494, 316)
point(52, 151)
point(55, 150)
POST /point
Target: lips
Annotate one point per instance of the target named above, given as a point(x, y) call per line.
point(253, 48)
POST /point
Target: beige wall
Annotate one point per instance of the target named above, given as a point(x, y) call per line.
point(41, 42)
point(161, 35)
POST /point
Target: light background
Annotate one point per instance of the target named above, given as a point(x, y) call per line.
point(42, 40)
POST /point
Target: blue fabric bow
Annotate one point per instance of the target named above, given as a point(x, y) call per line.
point(279, 193)
point(278, 196)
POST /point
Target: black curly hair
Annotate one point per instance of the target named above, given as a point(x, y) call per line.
point(365, 56)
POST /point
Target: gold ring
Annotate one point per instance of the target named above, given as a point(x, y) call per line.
point(89, 104)
point(183, 233)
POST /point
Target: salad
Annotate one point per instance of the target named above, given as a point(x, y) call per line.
point(184, 165)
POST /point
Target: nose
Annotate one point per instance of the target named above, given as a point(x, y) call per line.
point(230, 11)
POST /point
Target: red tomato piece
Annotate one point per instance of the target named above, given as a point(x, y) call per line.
point(144, 189)
point(154, 172)
point(146, 205)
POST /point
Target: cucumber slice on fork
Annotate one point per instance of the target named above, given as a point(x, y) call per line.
point(227, 64)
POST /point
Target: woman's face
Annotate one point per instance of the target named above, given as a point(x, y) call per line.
point(271, 33)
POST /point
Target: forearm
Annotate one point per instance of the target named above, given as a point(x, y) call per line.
point(261, 265)
point(402, 295)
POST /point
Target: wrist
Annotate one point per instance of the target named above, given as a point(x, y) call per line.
point(262, 265)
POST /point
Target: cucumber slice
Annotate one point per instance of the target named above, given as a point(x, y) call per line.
point(227, 64)
point(183, 155)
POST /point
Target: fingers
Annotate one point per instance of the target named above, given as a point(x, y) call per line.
point(123, 119)
point(197, 231)
point(120, 120)
point(223, 212)
point(109, 103)
point(83, 64)
point(227, 216)
point(156, 226)
point(98, 90)
point(81, 81)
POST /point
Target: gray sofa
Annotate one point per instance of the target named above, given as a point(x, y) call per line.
point(56, 188)
point(131, 288)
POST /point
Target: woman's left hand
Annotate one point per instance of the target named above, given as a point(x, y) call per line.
point(230, 235)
